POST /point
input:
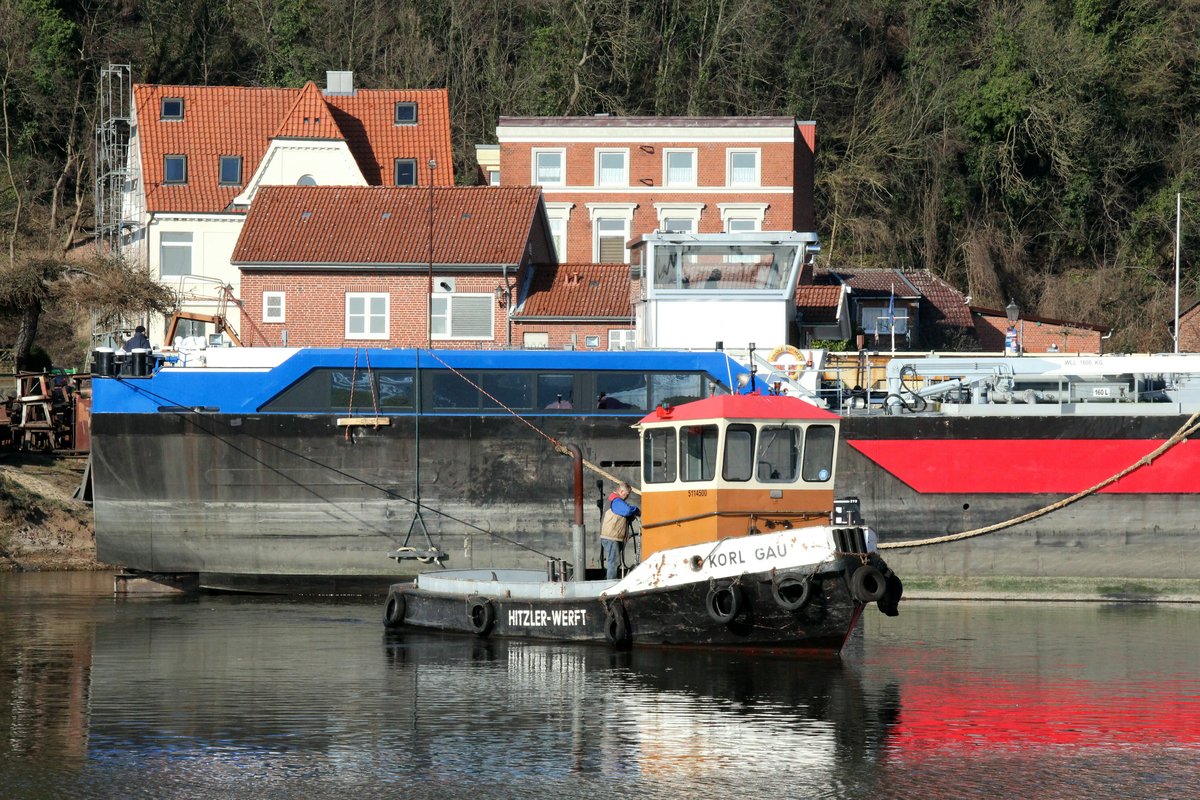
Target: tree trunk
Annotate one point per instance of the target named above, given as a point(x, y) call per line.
point(26, 334)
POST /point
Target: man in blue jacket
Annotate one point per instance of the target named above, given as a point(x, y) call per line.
point(615, 529)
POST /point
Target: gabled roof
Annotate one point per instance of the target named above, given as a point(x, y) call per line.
point(309, 118)
point(818, 305)
point(945, 305)
point(578, 291)
point(386, 226)
point(241, 121)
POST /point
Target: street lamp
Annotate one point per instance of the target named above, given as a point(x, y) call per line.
point(1011, 345)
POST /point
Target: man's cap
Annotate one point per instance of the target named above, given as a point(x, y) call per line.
point(139, 329)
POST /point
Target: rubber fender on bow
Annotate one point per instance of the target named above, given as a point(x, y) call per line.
point(868, 584)
point(724, 602)
point(616, 625)
point(889, 604)
point(792, 592)
point(393, 611)
point(481, 616)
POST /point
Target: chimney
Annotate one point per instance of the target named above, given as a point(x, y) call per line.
point(339, 82)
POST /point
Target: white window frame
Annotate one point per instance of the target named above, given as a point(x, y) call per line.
point(561, 152)
point(367, 297)
point(610, 211)
point(267, 298)
point(742, 211)
point(621, 338)
point(680, 211)
point(559, 212)
point(667, 182)
point(450, 298)
point(623, 181)
point(536, 340)
point(757, 180)
point(596, 237)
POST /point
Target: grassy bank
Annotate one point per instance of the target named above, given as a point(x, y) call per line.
point(41, 526)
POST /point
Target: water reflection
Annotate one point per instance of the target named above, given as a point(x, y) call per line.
point(259, 697)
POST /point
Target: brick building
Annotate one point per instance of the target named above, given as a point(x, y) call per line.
point(607, 180)
point(1036, 334)
point(389, 267)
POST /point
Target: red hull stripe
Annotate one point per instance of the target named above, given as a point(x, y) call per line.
point(1034, 466)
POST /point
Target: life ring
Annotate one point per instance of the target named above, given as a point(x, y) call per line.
point(616, 625)
point(724, 602)
point(481, 616)
point(868, 584)
point(393, 612)
point(793, 370)
point(792, 593)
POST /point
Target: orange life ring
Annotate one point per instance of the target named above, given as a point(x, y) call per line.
point(793, 370)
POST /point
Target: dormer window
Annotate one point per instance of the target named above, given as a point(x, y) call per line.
point(406, 172)
point(231, 171)
point(406, 113)
point(171, 108)
point(174, 169)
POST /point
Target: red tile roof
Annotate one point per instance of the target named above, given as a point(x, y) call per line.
point(241, 121)
point(945, 306)
point(578, 290)
point(368, 226)
point(818, 305)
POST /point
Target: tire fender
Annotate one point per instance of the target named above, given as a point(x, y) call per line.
point(393, 611)
point(616, 625)
point(481, 616)
point(867, 584)
point(724, 602)
point(792, 592)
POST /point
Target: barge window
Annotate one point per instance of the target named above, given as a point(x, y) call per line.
point(395, 390)
point(698, 452)
point(658, 456)
point(778, 454)
point(818, 453)
point(555, 391)
point(327, 391)
point(449, 391)
point(510, 388)
point(622, 390)
point(673, 389)
point(739, 453)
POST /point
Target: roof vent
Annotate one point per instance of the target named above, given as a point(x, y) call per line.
point(339, 82)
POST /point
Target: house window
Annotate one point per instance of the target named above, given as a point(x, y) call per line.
point(366, 315)
point(591, 342)
point(493, 177)
point(680, 167)
point(536, 340)
point(612, 168)
point(273, 307)
point(620, 339)
point(231, 170)
point(558, 235)
point(174, 254)
point(174, 169)
point(678, 225)
point(740, 225)
point(306, 180)
point(462, 316)
point(406, 172)
point(171, 108)
point(743, 168)
point(611, 235)
point(548, 168)
point(877, 320)
point(406, 114)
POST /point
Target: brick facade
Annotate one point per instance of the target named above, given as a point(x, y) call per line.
point(1036, 335)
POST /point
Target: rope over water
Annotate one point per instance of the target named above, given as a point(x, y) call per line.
point(1188, 428)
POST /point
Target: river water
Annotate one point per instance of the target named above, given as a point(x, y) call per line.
point(222, 696)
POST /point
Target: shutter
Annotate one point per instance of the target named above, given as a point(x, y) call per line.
point(471, 317)
point(612, 249)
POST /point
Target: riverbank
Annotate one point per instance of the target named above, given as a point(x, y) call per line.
point(42, 527)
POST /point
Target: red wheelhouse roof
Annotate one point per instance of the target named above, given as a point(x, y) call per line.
point(742, 407)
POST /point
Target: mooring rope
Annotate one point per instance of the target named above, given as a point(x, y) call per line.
point(1188, 428)
point(559, 447)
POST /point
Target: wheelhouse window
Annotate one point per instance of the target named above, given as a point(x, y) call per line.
point(739, 453)
point(231, 171)
point(621, 390)
point(367, 315)
point(658, 456)
point(273, 307)
point(405, 114)
point(674, 390)
point(556, 391)
point(405, 172)
point(548, 167)
point(819, 445)
point(171, 108)
point(175, 254)
point(778, 454)
point(698, 452)
point(175, 169)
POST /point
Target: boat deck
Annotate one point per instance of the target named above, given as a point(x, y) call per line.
point(530, 584)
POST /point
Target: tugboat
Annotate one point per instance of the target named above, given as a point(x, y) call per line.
point(743, 547)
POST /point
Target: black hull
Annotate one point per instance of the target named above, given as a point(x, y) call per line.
point(675, 616)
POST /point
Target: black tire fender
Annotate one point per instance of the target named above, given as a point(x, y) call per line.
point(393, 610)
point(724, 602)
point(481, 616)
point(868, 584)
point(616, 625)
point(792, 592)
point(889, 604)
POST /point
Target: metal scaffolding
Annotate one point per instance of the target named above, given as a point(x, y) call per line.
point(112, 155)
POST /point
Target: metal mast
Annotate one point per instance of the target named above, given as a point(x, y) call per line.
point(112, 155)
